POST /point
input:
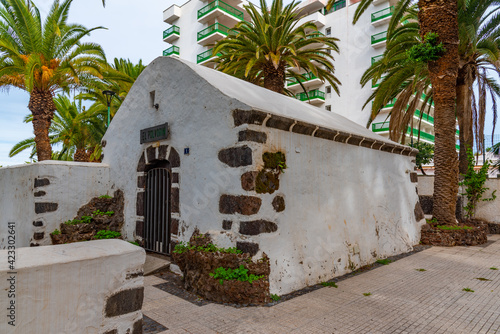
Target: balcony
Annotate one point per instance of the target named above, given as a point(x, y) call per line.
point(313, 97)
point(171, 34)
point(309, 6)
point(317, 18)
point(171, 51)
point(206, 57)
point(382, 16)
point(383, 127)
point(212, 34)
point(314, 45)
point(376, 59)
point(218, 8)
point(425, 117)
point(379, 40)
point(336, 6)
point(309, 80)
point(171, 14)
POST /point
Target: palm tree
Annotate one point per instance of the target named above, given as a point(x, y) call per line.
point(79, 131)
point(117, 77)
point(44, 58)
point(479, 55)
point(265, 50)
point(479, 52)
point(440, 17)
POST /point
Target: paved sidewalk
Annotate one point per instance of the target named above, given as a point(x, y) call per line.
point(402, 300)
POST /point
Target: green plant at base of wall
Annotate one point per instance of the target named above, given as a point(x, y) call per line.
point(454, 228)
point(210, 248)
point(104, 234)
point(239, 274)
point(329, 284)
point(474, 185)
point(56, 232)
point(384, 261)
point(275, 297)
point(105, 196)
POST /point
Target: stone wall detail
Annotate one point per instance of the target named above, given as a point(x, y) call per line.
point(245, 205)
point(198, 265)
point(257, 117)
point(236, 156)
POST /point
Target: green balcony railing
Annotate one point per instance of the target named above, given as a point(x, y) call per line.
point(380, 127)
point(376, 58)
point(425, 117)
point(384, 126)
point(316, 34)
point(170, 31)
point(313, 94)
point(173, 50)
point(205, 56)
point(380, 37)
point(423, 135)
point(217, 4)
point(335, 7)
point(307, 77)
point(382, 14)
point(217, 27)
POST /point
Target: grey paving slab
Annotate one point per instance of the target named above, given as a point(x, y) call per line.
point(402, 301)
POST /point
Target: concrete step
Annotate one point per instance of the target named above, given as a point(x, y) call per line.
point(155, 263)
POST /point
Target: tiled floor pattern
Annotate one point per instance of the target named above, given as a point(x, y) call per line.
point(402, 300)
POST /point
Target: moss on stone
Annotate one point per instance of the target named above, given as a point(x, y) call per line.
point(273, 160)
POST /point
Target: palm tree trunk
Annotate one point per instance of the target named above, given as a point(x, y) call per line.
point(42, 108)
point(440, 16)
point(81, 155)
point(464, 116)
point(274, 78)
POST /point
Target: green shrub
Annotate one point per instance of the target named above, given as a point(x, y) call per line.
point(210, 248)
point(104, 234)
point(56, 232)
point(239, 274)
point(275, 297)
point(454, 228)
point(105, 196)
point(474, 184)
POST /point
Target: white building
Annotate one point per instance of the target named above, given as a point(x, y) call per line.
point(196, 25)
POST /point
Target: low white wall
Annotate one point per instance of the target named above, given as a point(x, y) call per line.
point(489, 210)
point(67, 288)
point(40, 196)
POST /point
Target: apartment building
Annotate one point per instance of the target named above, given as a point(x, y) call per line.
point(196, 25)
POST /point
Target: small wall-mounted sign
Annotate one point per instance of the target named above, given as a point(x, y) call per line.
point(186, 151)
point(154, 134)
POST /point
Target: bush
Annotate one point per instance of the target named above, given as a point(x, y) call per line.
point(104, 234)
point(240, 274)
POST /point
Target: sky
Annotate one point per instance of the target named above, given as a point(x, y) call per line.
point(134, 31)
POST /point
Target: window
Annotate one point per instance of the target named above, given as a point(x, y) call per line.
point(328, 31)
point(152, 98)
point(328, 108)
point(328, 89)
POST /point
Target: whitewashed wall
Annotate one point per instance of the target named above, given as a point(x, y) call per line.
point(346, 206)
point(67, 288)
point(489, 211)
point(67, 185)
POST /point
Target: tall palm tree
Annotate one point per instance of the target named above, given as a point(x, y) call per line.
point(76, 130)
point(44, 57)
point(479, 52)
point(440, 17)
point(264, 50)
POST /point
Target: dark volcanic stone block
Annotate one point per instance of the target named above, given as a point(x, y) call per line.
point(125, 302)
point(45, 207)
point(247, 247)
point(41, 182)
point(250, 135)
point(245, 205)
point(257, 227)
point(236, 156)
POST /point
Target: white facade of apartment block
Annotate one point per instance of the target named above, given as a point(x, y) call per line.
point(196, 25)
